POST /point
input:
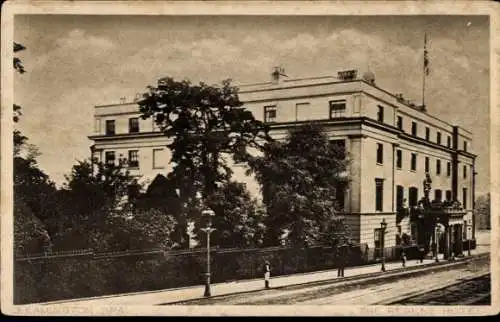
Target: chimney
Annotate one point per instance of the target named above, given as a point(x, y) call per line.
point(277, 73)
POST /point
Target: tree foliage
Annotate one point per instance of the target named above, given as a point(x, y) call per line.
point(205, 123)
point(299, 179)
point(161, 197)
point(18, 65)
point(238, 219)
point(483, 211)
point(94, 206)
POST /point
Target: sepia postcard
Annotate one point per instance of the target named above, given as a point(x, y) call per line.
point(250, 158)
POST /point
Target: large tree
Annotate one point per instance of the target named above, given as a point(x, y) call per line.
point(208, 126)
point(33, 190)
point(299, 178)
point(206, 123)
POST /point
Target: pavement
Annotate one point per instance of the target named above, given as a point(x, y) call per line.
point(171, 296)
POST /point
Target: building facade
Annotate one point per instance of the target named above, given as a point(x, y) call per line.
point(392, 145)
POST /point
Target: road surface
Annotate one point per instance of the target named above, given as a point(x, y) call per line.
point(467, 283)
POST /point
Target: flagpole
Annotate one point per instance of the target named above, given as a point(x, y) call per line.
point(425, 71)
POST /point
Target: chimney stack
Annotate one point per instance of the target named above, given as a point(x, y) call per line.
point(277, 73)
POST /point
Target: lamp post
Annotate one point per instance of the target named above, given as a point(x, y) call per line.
point(383, 226)
point(437, 231)
point(208, 230)
point(467, 236)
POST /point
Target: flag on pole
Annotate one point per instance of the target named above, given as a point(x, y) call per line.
point(426, 58)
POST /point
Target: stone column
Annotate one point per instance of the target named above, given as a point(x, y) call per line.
point(447, 241)
point(451, 237)
point(461, 239)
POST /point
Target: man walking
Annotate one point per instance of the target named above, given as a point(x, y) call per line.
point(342, 258)
point(267, 274)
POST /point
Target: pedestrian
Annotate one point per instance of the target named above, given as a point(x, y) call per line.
point(267, 274)
point(405, 208)
point(403, 257)
point(342, 258)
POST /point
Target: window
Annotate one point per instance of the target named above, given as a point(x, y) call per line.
point(465, 146)
point(414, 128)
point(426, 164)
point(448, 195)
point(400, 191)
point(339, 148)
point(448, 169)
point(448, 142)
point(302, 111)
point(110, 127)
point(465, 171)
point(380, 153)
point(270, 114)
point(438, 167)
point(412, 196)
point(379, 194)
point(337, 109)
point(427, 133)
point(110, 157)
point(133, 125)
point(464, 197)
point(380, 114)
point(400, 122)
point(438, 195)
point(399, 159)
point(413, 162)
point(159, 158)
point(133, 158)
point(438, 138)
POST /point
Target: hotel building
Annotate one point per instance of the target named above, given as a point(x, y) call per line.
point(391, 143)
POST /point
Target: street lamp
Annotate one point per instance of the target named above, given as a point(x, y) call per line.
point(208, 230)
point(383, 226)
point(467, 236)
point(437, 232)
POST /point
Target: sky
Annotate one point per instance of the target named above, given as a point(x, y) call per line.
point(75, 62)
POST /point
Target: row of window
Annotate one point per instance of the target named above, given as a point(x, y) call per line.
point(133, 126)
point(413, 162)
point(159, 158)
point(412, 196)
point(337, 109)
